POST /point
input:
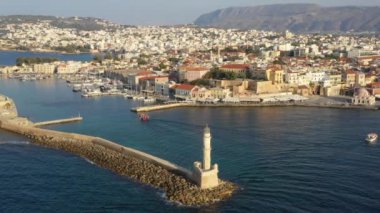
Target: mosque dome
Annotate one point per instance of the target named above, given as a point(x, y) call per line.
point(362, 92)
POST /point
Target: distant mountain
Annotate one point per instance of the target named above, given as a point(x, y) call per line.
point(295, 17)
point(80, 23)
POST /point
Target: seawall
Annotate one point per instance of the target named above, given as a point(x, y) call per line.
point(170, 106)
point(174, 180)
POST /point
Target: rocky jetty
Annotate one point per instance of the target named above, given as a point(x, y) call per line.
point(176, 188)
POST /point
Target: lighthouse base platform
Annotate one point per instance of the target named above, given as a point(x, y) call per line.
point(206, 179)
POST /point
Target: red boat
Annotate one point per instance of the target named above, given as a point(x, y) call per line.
point(143, 117)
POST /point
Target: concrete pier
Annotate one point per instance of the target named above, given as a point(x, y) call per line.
point(159, 107)
point(59, 121)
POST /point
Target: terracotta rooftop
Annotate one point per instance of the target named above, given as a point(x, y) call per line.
point(350, 72)
point(151, 78)
point(191, 68)
point(373, 57)
point(144, 73)
point(235, 66)
point(375, 85)
point(184, 86)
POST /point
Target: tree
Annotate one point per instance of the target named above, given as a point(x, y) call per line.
point(98, 58)
point(201, 82)
point(108, 56)
point(248, 74)
point(216, 73)
point(162, 66)
point(34, 60)
point(278, 62)
point(230, 75)
point(141, 61)
point(184, 81)
point(241, 75)
point(174, 60)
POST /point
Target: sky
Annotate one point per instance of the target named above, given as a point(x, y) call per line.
point(145, 12)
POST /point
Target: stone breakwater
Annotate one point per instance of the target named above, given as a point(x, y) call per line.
point(125, 161)
point(174, 180)
point(176, 188)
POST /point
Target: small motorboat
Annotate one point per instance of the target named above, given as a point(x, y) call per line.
point(371, 137)
point(143, 117)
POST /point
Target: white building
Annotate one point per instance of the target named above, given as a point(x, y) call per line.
point(44, 68)
point(69, 67)
point(316, 77)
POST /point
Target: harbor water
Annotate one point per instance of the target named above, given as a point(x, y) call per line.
point(285, 159)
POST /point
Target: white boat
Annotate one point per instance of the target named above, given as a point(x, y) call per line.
point(371, 137)
point(92, 93)
point(77, 87)
point(149, 100)
point(128, 96)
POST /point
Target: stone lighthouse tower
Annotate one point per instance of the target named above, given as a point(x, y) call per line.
point(205, 174)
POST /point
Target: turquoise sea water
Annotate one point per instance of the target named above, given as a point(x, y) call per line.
point(8, 58)
point(285, 159)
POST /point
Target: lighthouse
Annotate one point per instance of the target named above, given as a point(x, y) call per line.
point(206, 148)
point(205, 174)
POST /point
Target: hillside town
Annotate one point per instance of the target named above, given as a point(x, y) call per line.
point(204, 65)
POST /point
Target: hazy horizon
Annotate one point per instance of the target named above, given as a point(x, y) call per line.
point(146, 12)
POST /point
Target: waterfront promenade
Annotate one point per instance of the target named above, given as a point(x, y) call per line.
point(177, 182)
point(314, 101)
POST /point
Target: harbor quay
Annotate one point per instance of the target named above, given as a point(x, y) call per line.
point(197, 187)
point(294, 104)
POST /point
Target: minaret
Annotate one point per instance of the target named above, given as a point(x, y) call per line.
point(206, 148)
point(205, 174)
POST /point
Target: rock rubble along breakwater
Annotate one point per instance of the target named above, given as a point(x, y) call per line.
point(110, 156)
point(176, 188)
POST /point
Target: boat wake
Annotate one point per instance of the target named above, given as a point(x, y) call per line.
point(15, 142)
